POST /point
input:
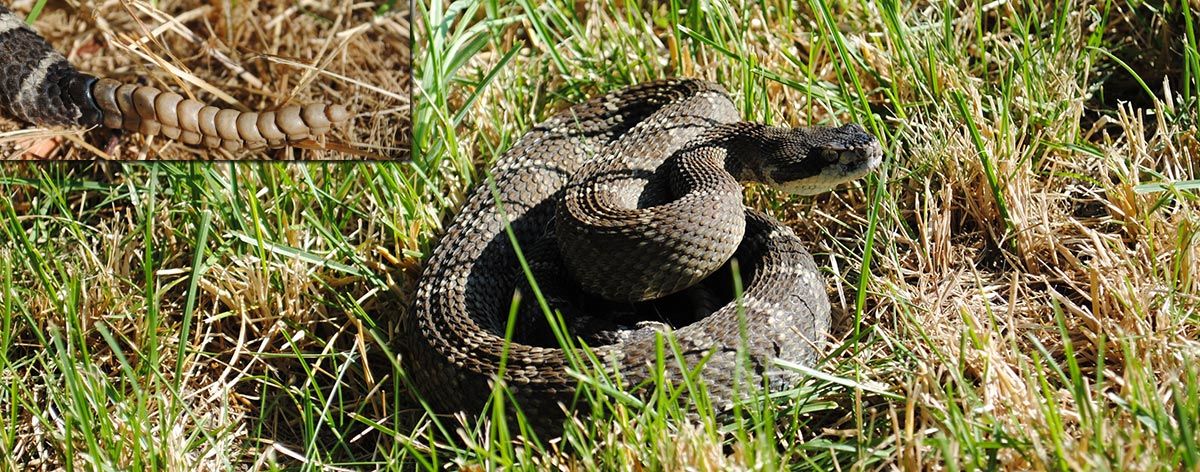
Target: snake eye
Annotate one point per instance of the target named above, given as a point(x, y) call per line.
point(830, 155)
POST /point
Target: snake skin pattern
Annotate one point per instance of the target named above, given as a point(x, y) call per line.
point(605, 181)
point(39, 86)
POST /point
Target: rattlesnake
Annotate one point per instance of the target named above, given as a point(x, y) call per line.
point(39, 86)
point(635, 192)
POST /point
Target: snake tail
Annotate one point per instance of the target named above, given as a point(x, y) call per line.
point(39, 86)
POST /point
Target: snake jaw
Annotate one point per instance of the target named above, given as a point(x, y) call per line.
point(838, 155)
point(857, 162)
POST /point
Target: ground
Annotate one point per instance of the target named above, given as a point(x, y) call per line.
point(1016, 287)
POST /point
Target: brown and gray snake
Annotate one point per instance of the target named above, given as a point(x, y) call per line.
point(39, 86)
point(630, 208)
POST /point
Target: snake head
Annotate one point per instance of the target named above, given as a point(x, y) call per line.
point(808, 161)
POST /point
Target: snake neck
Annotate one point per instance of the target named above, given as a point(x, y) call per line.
point(740, 148)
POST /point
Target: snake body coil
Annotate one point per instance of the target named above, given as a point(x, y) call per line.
point(636, 190)
point(40, 86)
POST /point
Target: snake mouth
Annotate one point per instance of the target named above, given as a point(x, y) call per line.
point(838, 166)
point(858, 162)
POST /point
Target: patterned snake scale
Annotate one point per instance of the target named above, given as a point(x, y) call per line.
point(638, 191)
point(39, 86)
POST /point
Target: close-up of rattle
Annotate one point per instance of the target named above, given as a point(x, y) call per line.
point(39, 86)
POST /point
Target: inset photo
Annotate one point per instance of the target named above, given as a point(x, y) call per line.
point(193, 80)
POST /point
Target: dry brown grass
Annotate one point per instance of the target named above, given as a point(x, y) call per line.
point(249, 55)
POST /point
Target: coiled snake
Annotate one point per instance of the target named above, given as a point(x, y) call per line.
point(635, 191)
point(39, 86)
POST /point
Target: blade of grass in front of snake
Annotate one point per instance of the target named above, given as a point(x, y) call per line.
point(598, 379)
point(560, 333)
point(811, 372)
point(556, 326)
point(693, 381)
point(498, 426)
point(742, 357)
point(605, 386)
point(743, 364)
